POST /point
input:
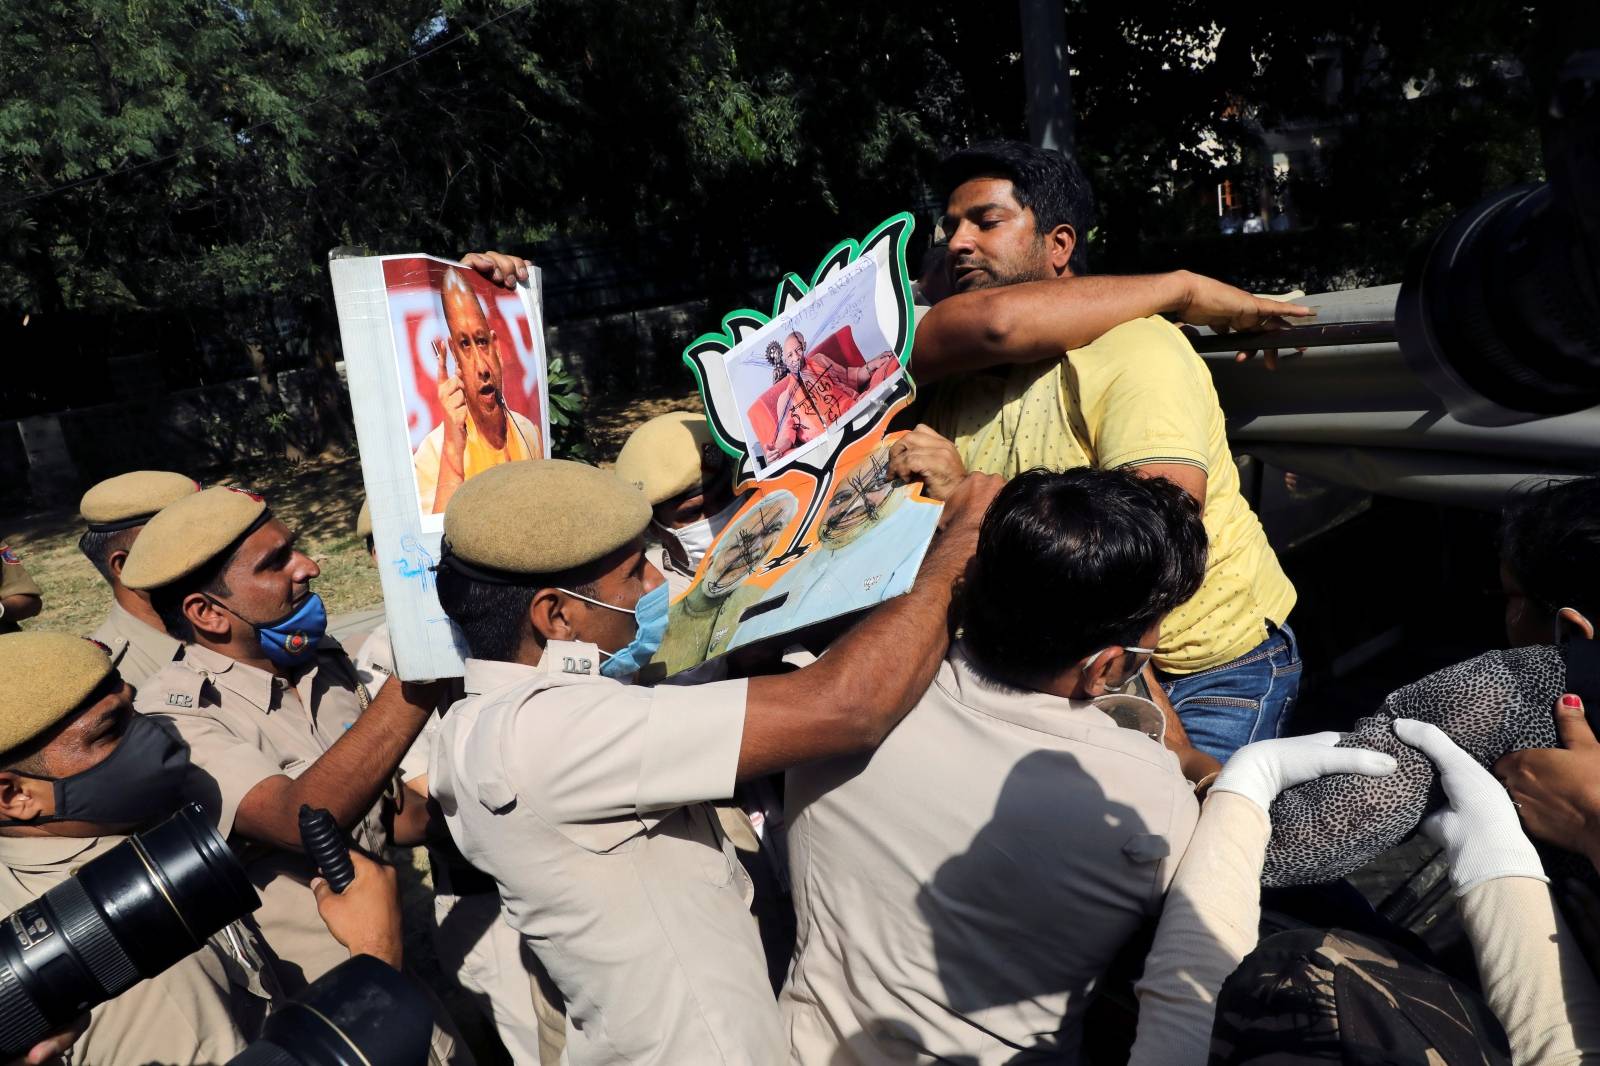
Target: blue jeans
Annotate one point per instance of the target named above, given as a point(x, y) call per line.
point(1228, 706)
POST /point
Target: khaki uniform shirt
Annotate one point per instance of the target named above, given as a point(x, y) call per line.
point(587, 801)
point(14, 581)
point(204, 1009)
point(959, 891)
point(472, 939)
point(244, 725)
point(139, 651)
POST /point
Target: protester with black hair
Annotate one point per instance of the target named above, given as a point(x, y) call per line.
point(1499, 703)
point(1550, 561)
point(961, 890)
point(1550, 570)
point(1044, 367)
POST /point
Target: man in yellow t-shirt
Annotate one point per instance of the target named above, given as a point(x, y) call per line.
point(1047, 368)
point(478, 430)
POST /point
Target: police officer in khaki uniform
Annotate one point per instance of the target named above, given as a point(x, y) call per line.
point(116, 510)
point(688, 482)
point(473, 940)
point(20, 598)
point(588, 799)
point(79, 770)
point(272, 710)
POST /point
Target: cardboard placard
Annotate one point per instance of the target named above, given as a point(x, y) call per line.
point(424, 337)
point(801, 399)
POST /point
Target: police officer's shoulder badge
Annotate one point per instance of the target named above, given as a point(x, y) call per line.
point(184, 687)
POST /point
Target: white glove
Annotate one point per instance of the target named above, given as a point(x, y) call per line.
point(1478, 827)
point(1261, 770)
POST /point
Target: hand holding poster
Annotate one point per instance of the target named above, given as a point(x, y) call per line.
point(447, 379)
point(802, 399)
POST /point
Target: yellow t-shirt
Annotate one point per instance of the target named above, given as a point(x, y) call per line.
point(1137, 395)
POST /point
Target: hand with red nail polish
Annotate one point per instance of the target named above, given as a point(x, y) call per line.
point(1557, 790)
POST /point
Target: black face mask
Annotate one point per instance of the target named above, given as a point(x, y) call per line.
point(140, 781)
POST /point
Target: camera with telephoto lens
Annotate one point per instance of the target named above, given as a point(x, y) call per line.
point(128, 914)
point(1497, 315)
point(358, 1013)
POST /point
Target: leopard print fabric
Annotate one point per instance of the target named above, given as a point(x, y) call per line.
point(1500, 702)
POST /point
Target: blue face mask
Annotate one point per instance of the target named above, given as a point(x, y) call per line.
point(650, 621)
point(293, 639)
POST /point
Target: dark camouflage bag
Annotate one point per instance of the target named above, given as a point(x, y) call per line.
point(1314, 995)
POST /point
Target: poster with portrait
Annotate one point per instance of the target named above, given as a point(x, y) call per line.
point(802, 399)
point(470, 360)
point(447, 379)
point(820, 363)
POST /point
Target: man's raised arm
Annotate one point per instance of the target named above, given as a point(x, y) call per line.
point(348, 778)
point(1034, 320)
point(851, 698)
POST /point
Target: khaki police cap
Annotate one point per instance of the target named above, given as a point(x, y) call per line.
point(128, 500)
point(188, 534)
point(662, 457)
point(43, 678)
point(364, 520)
point(542, 516)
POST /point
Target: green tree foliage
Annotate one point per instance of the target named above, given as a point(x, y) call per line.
point(1419, 111)
point(198, 160)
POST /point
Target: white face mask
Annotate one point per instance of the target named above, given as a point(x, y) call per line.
point(696, 537)
point(1139, 656)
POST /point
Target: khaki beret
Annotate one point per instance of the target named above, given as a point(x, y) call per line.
point(43, 678)
point(187, 535)
point(128, 500)
point(364, 520)
point(541, 516)
point(662, 457)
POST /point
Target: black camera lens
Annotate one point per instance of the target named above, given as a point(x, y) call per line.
point(128, 915)
point(1497, 313)
point(359, 1013)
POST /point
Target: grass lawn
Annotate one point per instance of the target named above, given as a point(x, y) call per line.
point(319, 498)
